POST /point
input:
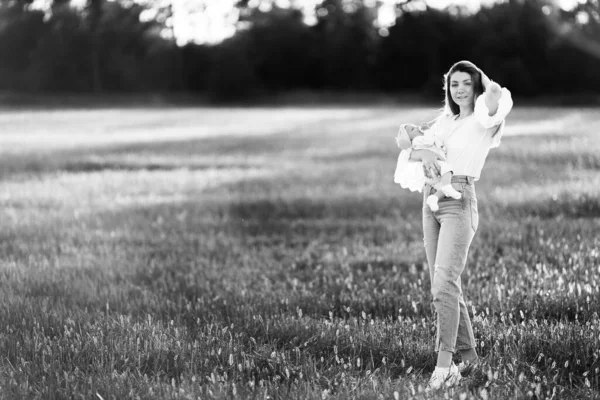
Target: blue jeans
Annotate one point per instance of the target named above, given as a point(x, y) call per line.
point(447, 235)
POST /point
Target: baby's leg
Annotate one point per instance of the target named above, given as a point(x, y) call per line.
point(445, 186)
point(432, 200)
point(445, 180)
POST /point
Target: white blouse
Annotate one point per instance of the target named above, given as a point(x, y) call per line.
point(468, 141)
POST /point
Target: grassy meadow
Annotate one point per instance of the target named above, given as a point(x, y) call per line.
point(265, 253)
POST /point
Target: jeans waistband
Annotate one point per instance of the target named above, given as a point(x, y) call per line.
point(462, 179)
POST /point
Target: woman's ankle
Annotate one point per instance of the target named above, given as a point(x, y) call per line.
point(469, 355)
point(444, 359)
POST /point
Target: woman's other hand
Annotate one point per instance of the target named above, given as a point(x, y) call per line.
point(485, 81)
point(495, 90)
point(492, 97)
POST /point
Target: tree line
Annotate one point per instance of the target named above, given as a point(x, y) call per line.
point(104, 47)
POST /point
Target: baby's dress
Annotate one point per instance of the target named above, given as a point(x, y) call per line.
point(410, 175)
point(429, 142)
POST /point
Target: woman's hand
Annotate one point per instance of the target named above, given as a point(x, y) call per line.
point(431, 165)
point(493, 92)
point(492, 97)
point(485, 81)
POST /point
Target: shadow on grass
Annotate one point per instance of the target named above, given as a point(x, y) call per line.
point(303, 208)
point(211, 152)
point(95, 166)
point(582, 206)
point(356, 156)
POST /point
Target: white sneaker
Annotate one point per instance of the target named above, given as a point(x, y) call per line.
point(449, 191)
point(444, 378)
point(432, 202)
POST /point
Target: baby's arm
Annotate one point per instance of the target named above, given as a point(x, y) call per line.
point(427, 125)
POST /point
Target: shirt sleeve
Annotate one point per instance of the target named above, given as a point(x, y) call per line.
point(409, 173)
point(496, 133)
point(482, 112)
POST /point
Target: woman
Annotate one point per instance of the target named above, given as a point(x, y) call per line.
point(471, 124)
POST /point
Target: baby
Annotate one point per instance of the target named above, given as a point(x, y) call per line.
point(412, 136)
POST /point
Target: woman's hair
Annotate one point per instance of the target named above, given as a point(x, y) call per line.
point(450, 107)
point(462, 66)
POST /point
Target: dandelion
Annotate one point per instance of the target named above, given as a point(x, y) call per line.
point(484, 394)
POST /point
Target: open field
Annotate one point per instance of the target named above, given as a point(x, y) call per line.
point(266, 253)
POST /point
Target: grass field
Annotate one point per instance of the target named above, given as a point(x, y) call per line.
point(266, 254)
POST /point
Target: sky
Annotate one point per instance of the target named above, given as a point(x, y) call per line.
point(211, 21)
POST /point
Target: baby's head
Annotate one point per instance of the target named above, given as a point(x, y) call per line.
point(411, 130)
point(406, 134)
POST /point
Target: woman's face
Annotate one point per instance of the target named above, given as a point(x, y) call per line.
point(461, 88)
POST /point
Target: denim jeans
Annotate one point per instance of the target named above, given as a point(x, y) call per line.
point(448, 233)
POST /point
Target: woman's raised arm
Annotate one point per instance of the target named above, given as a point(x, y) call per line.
point(493, 105)
point(492, 98)
point(493, 93)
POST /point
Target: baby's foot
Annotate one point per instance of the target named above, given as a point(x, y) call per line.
point(432, 202)
point(449, 191)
